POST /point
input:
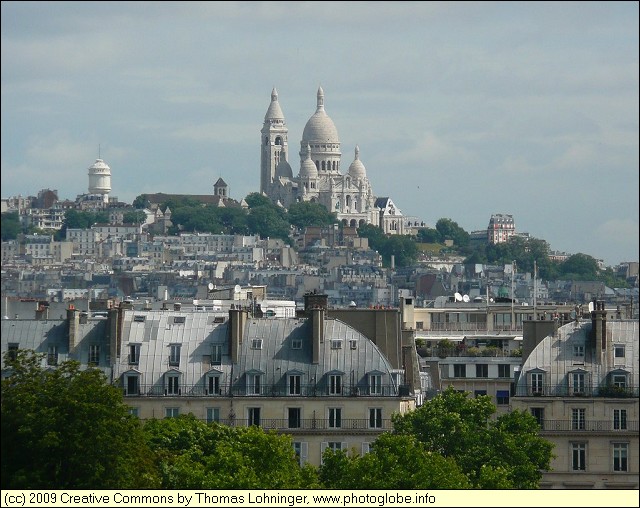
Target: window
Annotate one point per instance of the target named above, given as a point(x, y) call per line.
point(134, 354)
point(504, 370)
point(296, 344)
point(213, 385)
point(334, 445)
point(138, 319)
point(366, 448)
point(253, 416)
point(618, 351)
point(256, 344)
point(353, 343)
point(478, 393)
point(502, 397)
point(335, 417)
point(295, 417)
point(620, 454)
point(335, 384)
point(419, 325)
point(482, 370)
point(133, 411)
point(579, 456)
point(301, 450)
point(13, 351)
point(536, 383)
point(173, 386)
point(94, 354)
point(619, 380)
point(254, 384)
point(375, 384)
point(538, 414)
point(578, 352)
point(459, 370)
point(216, 354)
point(577, 419)
point(336, 343)
point(179, 319)
point(213, 414)
point(295, 387)
point(52, 356)
point(171, 412)
point(132, 386)
point(375, 418)
point(218, 319)
point(174, 354)
point(619, 419)
point(578, 383)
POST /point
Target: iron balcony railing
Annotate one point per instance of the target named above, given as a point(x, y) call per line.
point(588, 426)
point(311, 424)
point(234, 390)
point(546, 390)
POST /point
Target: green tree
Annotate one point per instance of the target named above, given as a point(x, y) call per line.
point(429, 235)
point(267, 221)
point(66, 428)
point(450, 230)
point(195, 455)
point(394, 462)
point(306, 213)
point(10, 226)
point(134, 217)
point(256, 199)
point(500, 453)
point(580, 267)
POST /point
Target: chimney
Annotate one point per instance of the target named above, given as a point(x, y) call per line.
point(73, 320)
point(314, 300)
point(237, 322)
point(113, 332)
point(598, 337)
point(317, 332)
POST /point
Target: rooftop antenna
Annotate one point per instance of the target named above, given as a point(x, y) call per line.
point(99, 151)
point(465, 298)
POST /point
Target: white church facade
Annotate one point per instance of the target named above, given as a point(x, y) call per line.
point(319, 178)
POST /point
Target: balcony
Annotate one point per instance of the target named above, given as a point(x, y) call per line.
point(608, 391)
point(588, 426)
point(226, 390)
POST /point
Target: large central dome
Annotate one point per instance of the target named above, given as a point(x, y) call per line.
point(320, 128)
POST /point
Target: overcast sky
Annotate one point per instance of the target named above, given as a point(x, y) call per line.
point(460, 110)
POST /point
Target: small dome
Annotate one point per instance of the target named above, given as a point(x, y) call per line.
point(357, 169)
point(307, 167)
point(320, 128)
point(99, 164)
point(275, 111)
point(283, 169)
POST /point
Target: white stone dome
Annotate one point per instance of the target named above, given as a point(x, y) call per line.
point(357, 169)
point(100, 165)
point(320, 128)
point(283, 169)
point(307, 167)
point(275, 111)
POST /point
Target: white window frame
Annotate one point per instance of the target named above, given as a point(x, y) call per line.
point(619, 419)
point(335, 384)
point(578, 456)
point(537, 382)
point(375, 418)
point(173, 384)
point(578, 382)
point(578, 418)
point(174, 354)
point(619, 348)
point(620, 456)
point(294, 384)
point(213, 384)
point(301, 449)
point(94, 354)
point(334, 417)
point(375, 384)
point(171, 412)
point(52, 355)
point(254, 384)
point(256, 343)
point(134, 354)
point(212, 414)
point(296, 344)
point(216, 354)
point(336, 343)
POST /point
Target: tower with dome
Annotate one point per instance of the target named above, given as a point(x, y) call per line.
point(319, 178)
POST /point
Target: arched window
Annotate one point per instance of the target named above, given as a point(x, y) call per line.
point(323, 165)
point(348, 197)
point(278, 141)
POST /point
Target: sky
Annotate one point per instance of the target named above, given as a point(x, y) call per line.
point(460, 110)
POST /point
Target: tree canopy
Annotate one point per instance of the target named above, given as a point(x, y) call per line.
point(10, 226)
point(66, 428)
point(192, 454)
point(501, 453)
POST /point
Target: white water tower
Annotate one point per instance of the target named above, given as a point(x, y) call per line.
point(100, 179)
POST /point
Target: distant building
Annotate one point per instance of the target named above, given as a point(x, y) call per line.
point(320, 179)
point(501, 228)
